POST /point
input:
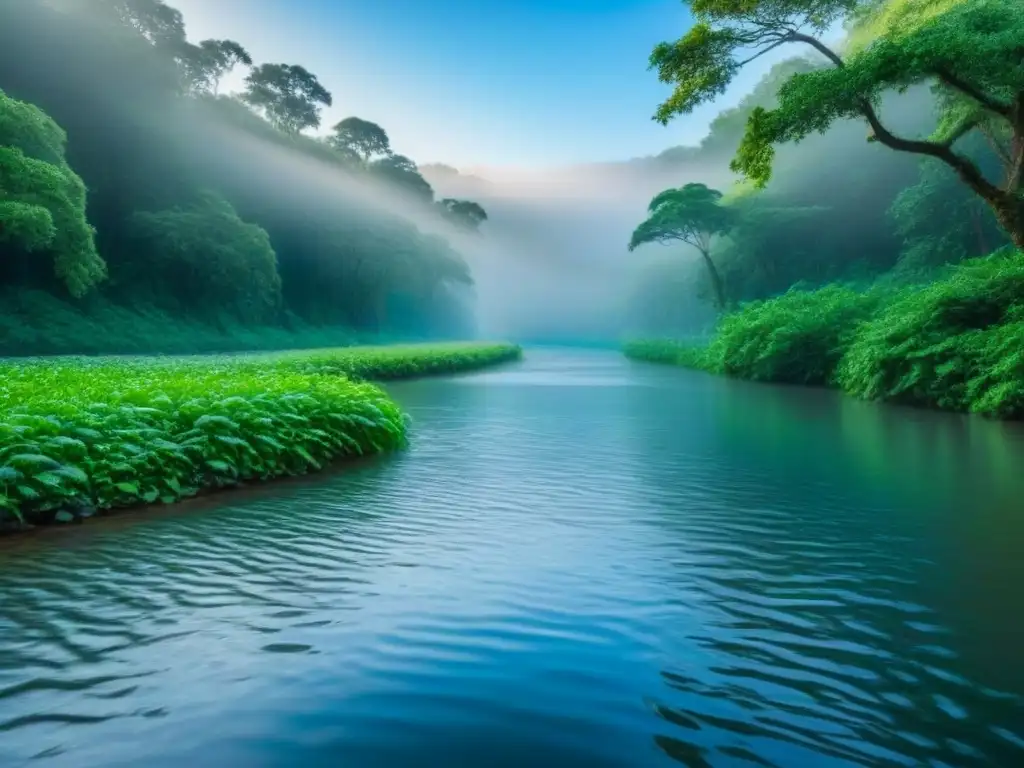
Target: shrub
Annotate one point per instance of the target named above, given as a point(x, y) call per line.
point(956, 344)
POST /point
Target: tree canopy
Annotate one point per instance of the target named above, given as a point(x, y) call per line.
point(970, 50)
point(362, 138)
point(692, 214)
point(42, 201)
point(463, 213)
point(197, 207)
point(289, 95)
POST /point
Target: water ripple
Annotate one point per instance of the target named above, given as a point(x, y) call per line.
point(581, 561)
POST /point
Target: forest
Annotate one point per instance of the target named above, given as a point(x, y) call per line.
point(141, 210)
point(870, 239)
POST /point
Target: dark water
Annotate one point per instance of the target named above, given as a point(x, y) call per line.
point(581, 562)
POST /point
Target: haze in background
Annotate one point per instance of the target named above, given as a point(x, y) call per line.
point(537, 100)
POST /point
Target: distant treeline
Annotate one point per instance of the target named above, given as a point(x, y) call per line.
point(126, 179)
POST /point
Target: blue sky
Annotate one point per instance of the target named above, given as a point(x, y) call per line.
point(490, 83)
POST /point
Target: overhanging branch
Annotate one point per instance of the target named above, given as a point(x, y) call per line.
point(965, 168)
point(990, 103)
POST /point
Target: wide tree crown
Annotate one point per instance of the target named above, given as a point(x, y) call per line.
point(692, 214)
point(971, 50)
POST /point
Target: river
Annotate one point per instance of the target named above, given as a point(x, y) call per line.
point(581, 561)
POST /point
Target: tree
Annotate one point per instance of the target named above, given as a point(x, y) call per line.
point(971, 51)
point(361, 138)
point(206, 64)
point(941, 221)
point(157, 22)
point(693, 215)
point(42, 201)
point(288, 95)
point(206, 256)
point(403, 173)
point(463, 213)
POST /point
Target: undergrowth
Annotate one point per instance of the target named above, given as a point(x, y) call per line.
point(956, 343)
point(37, 323)
point(83, 435)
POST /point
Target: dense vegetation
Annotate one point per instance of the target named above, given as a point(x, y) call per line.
point(130, 184)
point(81, 435)
point(955, 342)
point(860, 264)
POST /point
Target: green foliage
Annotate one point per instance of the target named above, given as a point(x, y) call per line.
point(796, 338)
point(969, 50)
point(211, 258)
point(693, 215)
point(289, 95)
point(956, 343)
point(385, 363)
point(403, 174)
point(728, 34)
point(206, 64)
point(666, 351)
point(42, 201)
point(148, 133)
point(360, 138)
point(969, 44)
point(941, 221)
point(84, 435)
point(463, 213)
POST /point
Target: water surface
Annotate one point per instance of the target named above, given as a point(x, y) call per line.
point(581, 561)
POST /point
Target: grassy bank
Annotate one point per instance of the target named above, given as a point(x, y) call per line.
point(83, 435)
point(956, 343)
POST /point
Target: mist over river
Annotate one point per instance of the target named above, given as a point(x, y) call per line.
point(581, 560)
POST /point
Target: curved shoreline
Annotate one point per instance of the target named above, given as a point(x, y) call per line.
point(99, 437)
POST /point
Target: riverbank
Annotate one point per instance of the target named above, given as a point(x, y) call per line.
point(955, 343)
point(79, 436)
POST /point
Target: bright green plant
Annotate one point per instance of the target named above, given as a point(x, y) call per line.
point(956, 343)
point(796, 338)
point(78, 435)
point(42, 201)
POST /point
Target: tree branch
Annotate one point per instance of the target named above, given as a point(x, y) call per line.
point(820, 47)
point(761, 53)
point(988, 102)
point(968, 172)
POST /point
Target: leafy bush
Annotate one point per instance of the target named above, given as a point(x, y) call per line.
point(796, 338)
point(399, 361)
point(666, 351)
point(79, 435)
point(956, 344)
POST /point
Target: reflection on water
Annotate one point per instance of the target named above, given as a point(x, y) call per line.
point(580, 561)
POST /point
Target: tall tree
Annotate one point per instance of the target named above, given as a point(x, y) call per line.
point(206, 64)
point(403, 173)
point(288, 95)
point(463, 213)
point(159, 23)
point(361, 138)
point(970, 50)
point(42, 201)
point(693, 215)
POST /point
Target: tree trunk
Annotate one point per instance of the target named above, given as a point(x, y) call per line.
point(1009, 212)
point(716, 281)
